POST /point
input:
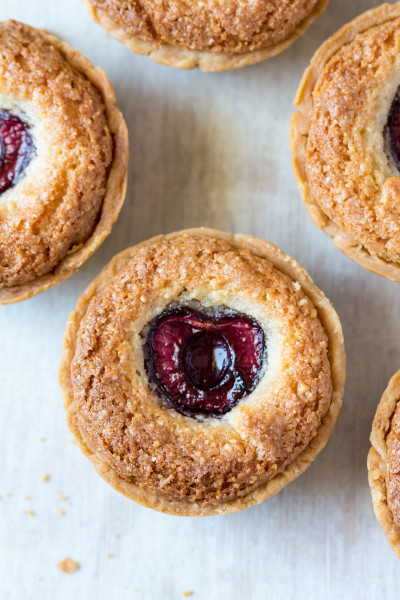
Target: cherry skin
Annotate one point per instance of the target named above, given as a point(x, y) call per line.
point(206, 359)
point(393, 130)
point(15, 149)
point(204, 362)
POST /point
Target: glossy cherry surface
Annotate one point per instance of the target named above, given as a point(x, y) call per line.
point(15, 149)
point(203, 362)
point(393, 130)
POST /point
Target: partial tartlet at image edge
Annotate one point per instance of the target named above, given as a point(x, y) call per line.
point(133, 418)
point(55, 210)
point(343, 144)
point(384, 463)
point(233, 37)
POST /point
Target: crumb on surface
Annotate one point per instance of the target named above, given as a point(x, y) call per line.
point(116, 535)
point(45, 478)
point(68, 566)
point(42, 439)
point(61, 496)
point(187, 593)
point(30, 513)
point(61, 512)
point(28, 497)
point(109, 556)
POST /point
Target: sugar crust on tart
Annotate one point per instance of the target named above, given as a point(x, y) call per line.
point(73, 187)
point(174, 463)
point(348, 181)
point(384, 463)
point(212, 35)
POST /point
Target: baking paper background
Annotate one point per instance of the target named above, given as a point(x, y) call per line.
point(206, 149)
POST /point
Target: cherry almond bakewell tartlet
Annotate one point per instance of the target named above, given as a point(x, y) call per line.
point(202, 372)
point(346, 139)
point(214, 35)
point(384, 463)
point(63, 160)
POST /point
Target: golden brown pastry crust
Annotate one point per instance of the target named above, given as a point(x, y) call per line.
point(238, 484)
point(383, 463)
point(347, 182)
point(102, 210)
point(240, 35)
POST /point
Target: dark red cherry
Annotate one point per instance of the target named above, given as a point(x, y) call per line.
point(393, 130)
point(206, 358)
point(15, 149)
point(204, 362)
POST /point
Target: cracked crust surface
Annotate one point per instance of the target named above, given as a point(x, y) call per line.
point(213, 35)
point(347, 178)
point(70, 194)
point(384, 463)
point(178, 464)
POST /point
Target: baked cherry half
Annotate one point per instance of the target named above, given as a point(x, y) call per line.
point(15, 149)
point(204, 361)
point(393, 130)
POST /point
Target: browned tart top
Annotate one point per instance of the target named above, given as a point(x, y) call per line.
point(51, 206)
point(351, 170)
point(122, 419)
point(393, 466)
point(384, 463)
point(221, 26)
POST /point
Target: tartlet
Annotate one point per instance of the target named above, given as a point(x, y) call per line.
point(211, 35)
point(345, 139)
point(63, 160)
point(384, 463)
point(202, 372)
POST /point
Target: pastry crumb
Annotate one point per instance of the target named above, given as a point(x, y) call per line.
point(42, 439)
point(68, 566)
point(109, 556)
point(187, 593)
point(116, 535)
point(30, 513)
point(61, 512)
point(28, 497)
point(45, 478)
point(61, 496)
